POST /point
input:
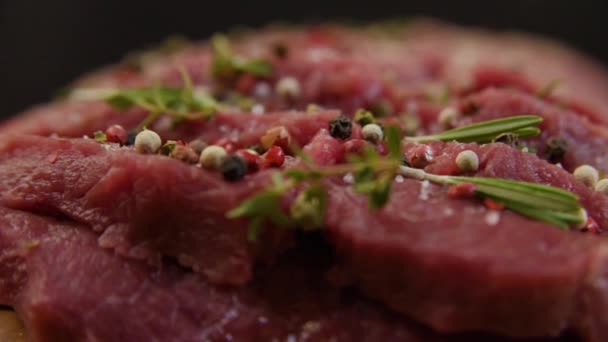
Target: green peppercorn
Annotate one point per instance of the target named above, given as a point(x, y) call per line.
point(233, 168)
point(280, 50)
point(364, 117)
point(341, 127)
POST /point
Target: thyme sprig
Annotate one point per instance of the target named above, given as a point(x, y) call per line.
point(226, 64)
point(487, 131)
point(183, 103)
point(541, 202)
point(373, 176)
point(179, 103)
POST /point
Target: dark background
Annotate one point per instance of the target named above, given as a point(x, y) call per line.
point(45, 43)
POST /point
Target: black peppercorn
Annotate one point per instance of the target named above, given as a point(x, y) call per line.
point(233, 168)
point(341, 127)
point(555, 149)
point(131, 138)
point(280, 50)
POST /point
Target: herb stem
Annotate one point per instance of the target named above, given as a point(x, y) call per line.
point(541, 202)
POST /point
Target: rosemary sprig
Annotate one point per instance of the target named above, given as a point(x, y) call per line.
point(487, 131)
point(541, 202)
point(373, 177)
point(226, 64)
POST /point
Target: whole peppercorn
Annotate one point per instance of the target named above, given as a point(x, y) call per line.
point(280, 50)
point(364, 117)
point(252, 158)
point(583, 218)
point(212, 157)
point(116, 134)
point(447, 117)
point(587, 175)
point(185, 154)
point(591, 226)
point(462, 190)
point(288, 87)
point(467, 161)
point(198, 146)
point(341, 127)
point(233, 168)
point(274, 157)
point(602, 186)
point(276, 136)
point(147, 141)
point(372, 133)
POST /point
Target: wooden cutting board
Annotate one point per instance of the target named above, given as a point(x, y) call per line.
point(11, 328)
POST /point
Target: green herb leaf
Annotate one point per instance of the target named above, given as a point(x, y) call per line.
point(100, 136)
point(178, 103)
point(308, 209)
point(226, 64)
point(487, 131)
point(393, 140)
point(263, 207)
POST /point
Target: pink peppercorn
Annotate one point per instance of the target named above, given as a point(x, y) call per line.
point(492, 204)
point(462, 190)
point(253, 160)
point(591, 226)
point(116, 134)
point(275, 156)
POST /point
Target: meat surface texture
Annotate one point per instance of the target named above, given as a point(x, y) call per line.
point(101, 243)
point(106, 298)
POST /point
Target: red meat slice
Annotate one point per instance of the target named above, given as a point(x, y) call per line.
point(458, 266)
point(66, 288)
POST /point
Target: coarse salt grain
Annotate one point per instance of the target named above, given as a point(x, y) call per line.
point(424, 190)
point(257, 109)
point(492, 217)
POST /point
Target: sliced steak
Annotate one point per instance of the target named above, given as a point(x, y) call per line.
point(458, 266)
point(66, 288)
point(142, 206)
